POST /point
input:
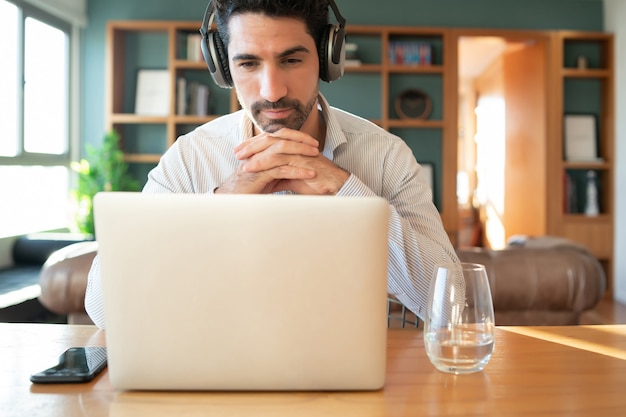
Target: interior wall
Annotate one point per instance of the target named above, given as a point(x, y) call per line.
point(615, 16)
point(466, 146)
point(489, 87)
point(528, 14)
point(524, 70)
point(469, 228)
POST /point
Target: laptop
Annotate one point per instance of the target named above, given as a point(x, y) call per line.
point(243, 292)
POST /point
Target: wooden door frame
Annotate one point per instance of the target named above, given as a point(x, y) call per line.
point(546, 37)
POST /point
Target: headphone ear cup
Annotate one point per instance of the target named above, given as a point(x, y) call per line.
point(323, 51)
point(216, 58)
point(332, 54)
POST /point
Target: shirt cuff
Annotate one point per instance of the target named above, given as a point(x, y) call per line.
point(354, 187)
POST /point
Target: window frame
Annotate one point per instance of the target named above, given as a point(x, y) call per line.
point(24, 158)
point(70, 19)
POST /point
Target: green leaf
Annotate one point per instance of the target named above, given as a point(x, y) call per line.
point(102, 169)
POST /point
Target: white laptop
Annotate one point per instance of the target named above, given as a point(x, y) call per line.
point(243, 292)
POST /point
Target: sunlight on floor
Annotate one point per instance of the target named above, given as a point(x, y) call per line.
point(591, 338)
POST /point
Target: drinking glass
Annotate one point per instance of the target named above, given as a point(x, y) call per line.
point(459, 325)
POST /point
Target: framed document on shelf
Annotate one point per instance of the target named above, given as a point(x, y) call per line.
point(152, 97)
point(580, 138)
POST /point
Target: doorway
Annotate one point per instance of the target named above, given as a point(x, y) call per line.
point(502, 137)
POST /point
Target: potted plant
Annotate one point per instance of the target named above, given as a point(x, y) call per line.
point(103, 169)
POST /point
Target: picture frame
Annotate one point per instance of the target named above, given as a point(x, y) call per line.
point(152, 97)
point(580, 138)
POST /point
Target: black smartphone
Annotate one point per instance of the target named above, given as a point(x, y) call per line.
point(77, 364)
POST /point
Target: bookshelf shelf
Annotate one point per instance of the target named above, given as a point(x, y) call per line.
point(190, 119)
point(416, 69)
point(587, 165)
point(588, 73)
point(131, 118)
point(581, 218)
point(142, 158)
point(364, 68)
point(418, 123)
point(186, 64)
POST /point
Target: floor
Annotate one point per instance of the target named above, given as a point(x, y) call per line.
point(607, 311)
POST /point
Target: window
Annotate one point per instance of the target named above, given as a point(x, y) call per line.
point(34, 115)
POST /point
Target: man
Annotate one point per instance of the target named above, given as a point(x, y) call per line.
point(287, 139)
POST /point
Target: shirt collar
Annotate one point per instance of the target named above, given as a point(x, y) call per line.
point(334, 133)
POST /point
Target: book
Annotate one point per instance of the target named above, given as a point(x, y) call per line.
point(410, 53)
point(194, 51)
point(198, 99)
point(202, 100)
point(181, 96)
point(570, 194)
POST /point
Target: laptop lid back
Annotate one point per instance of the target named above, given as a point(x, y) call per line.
point(243, 292)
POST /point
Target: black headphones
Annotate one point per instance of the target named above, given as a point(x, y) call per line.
point(331, 49)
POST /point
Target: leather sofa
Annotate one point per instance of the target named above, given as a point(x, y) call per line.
point(63, 281)
point(541, 281)
point(19, 291)
point(544, 281)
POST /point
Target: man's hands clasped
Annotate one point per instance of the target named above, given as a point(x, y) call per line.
point(286, 160)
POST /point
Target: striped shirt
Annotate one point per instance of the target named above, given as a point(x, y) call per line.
point(380, 164)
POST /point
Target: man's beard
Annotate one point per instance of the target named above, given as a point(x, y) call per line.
point(295, 120)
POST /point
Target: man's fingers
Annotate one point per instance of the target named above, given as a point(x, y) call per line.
point(286, 172)
point(286, 141)
point(284, 147)
point(296, 136)
point(266, 162)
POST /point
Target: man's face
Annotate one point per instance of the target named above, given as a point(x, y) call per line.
point(275, 69)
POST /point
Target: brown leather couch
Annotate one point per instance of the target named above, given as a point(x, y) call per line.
point(543, 281)
point(63, 281)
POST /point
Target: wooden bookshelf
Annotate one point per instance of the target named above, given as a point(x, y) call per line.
point(585, 90)
point(126, 41)
point(369, 90)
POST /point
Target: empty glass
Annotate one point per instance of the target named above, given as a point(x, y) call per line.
point(459, 325)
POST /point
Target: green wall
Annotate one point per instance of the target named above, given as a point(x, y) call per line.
point(510, 14)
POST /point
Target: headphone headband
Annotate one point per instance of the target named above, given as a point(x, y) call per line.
point(330, 50)
point(342, 29)
point(207, 22)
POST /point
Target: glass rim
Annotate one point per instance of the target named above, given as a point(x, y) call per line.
point(474, 266)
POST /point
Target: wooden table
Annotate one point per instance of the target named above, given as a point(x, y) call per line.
point(535, 371)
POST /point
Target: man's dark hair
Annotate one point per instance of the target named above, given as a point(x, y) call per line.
point(314, 13)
